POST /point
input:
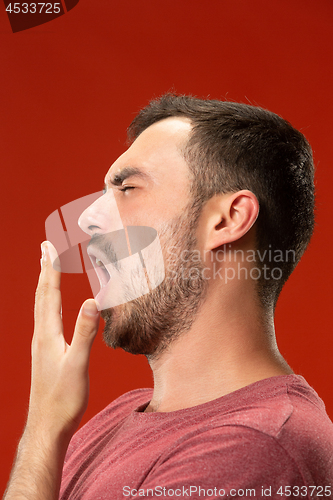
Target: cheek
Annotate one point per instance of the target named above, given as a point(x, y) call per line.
point(153, 208)
point(137, 212)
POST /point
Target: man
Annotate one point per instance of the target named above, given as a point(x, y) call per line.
point(229, 188)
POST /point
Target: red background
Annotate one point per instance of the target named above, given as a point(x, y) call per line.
point(69, 89)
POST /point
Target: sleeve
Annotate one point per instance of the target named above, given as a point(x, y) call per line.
point(225, 462)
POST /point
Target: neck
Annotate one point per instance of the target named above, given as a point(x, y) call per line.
point(222, 352)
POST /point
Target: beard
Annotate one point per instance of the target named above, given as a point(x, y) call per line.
point(149, 324)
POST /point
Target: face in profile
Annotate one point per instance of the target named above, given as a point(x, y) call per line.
point(147, 298)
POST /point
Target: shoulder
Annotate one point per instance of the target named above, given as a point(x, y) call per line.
point(276, 427)
point(274, 405)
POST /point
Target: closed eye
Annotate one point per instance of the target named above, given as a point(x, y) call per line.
point(124, 188)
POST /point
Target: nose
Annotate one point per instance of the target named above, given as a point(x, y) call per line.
point(102, 216)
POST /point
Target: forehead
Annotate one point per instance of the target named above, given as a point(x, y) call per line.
point(158, 150)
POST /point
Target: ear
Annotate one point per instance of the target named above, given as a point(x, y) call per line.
point(230, 217)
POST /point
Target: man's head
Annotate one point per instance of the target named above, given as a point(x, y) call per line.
point(233, 147)
point(195, 171)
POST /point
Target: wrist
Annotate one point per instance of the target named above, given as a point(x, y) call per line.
point(38, 465)
point(51, 427)
point(49, 439)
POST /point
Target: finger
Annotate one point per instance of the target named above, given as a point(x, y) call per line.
point(48, 296)
point(84, 334)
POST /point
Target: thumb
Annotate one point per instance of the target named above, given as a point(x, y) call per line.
point(85, 331)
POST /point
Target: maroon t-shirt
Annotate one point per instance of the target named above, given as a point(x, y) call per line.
point(270, 439)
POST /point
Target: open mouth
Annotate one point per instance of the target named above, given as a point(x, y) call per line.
point(99, 261)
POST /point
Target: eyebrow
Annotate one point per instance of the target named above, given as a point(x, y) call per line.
point(126, 172)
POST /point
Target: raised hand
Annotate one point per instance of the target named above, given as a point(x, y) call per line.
point(59, 389)
point(60, 382)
